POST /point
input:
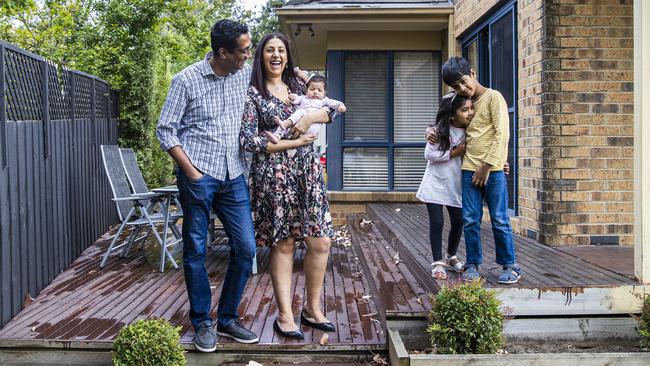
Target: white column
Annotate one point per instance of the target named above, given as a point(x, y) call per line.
point(451, 38)
point(642, 140)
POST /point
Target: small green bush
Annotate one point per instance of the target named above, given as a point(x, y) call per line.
point(152, 342)
point(644, 322)
point(466, 319)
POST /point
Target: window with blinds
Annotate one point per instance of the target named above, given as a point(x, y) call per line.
point(365, 169)
point(365, 96)
point(415, 94)
point(384, 138)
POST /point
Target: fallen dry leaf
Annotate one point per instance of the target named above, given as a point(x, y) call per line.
point(324, 340)
point(364, 222)
point(379, 360)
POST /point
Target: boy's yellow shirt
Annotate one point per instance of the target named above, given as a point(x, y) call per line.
point(488, 133)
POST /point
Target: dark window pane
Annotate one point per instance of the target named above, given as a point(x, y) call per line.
point(502, 54)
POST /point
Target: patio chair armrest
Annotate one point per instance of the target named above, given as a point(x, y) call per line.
point(172, 190)
point(137, 197)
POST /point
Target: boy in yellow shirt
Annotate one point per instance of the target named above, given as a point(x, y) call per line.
point(483, 177)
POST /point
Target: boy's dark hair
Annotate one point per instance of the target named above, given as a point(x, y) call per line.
point(448, 107)
point(454, 69)
point(224, 34)
point(317, 78)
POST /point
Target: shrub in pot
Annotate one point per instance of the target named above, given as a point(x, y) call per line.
point(466, 318)
point(152, 342)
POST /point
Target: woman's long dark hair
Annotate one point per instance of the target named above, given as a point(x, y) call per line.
point(258, 78)
point(449, 104)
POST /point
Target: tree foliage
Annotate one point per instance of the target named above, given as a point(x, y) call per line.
point(135, 45)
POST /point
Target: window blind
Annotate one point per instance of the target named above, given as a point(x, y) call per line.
point(365, 96)
point(409, 166)
point(416, 91)
point(365, 169)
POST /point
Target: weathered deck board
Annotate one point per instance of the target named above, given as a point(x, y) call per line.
point(543, 267)
point(614, 258)
point(394, 284)
point(88, 304)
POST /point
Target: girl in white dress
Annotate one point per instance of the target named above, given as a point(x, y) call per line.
point(441, 183)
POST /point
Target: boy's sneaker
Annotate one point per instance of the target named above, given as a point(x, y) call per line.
point(471, 273)
point(237, 332)
point(205, 338)
point(510, 274)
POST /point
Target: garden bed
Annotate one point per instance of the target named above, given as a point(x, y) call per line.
point(539, 354)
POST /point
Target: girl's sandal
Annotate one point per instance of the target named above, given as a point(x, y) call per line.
point(454, 263)
point(438, 271)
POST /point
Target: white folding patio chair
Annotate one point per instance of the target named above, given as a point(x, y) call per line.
point(136, 210)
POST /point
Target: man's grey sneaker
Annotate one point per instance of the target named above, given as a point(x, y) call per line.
point(205, 338)
point(237, 332)
point(471, 273)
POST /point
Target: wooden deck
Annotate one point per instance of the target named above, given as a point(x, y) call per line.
point(378, 276)
point(86, 305)
point(543, 266)
point(559, 282)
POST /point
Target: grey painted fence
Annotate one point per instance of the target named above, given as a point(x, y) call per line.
point(54, 198)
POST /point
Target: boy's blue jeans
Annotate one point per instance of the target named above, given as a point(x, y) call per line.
point(230, 200)
point(495, 193)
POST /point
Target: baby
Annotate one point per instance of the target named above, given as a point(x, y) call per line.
point(313, 100)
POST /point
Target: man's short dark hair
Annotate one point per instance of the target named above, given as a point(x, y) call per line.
point(454, 69)
point(224, 34)
point(317, 78)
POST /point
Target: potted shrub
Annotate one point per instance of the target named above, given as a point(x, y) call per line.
point(466, 318)
point(152, 342)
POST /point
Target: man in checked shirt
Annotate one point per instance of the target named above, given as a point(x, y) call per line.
point(199, 127)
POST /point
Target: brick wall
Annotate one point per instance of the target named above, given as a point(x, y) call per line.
point(575, 119)
point(467, 12)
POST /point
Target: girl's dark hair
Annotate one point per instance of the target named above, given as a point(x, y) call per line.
point(449, 104)
point(318, 78)
point(224, 34)
point(258, 77)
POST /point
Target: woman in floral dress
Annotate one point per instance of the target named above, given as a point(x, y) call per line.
point(288, 195)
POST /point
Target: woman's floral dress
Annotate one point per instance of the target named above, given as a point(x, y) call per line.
point(288, 195)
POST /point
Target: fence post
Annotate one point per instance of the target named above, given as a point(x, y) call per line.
point(45, 92)
point(3, 108)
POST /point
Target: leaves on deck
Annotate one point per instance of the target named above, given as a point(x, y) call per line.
point(324, 340)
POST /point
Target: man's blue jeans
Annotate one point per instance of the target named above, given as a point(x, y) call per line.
point(495, 193)
point(230, 200)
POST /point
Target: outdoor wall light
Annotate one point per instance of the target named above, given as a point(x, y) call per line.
point(309, 29)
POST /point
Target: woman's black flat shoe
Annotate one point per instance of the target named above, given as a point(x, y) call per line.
point(295, 334)
point(324, 326)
